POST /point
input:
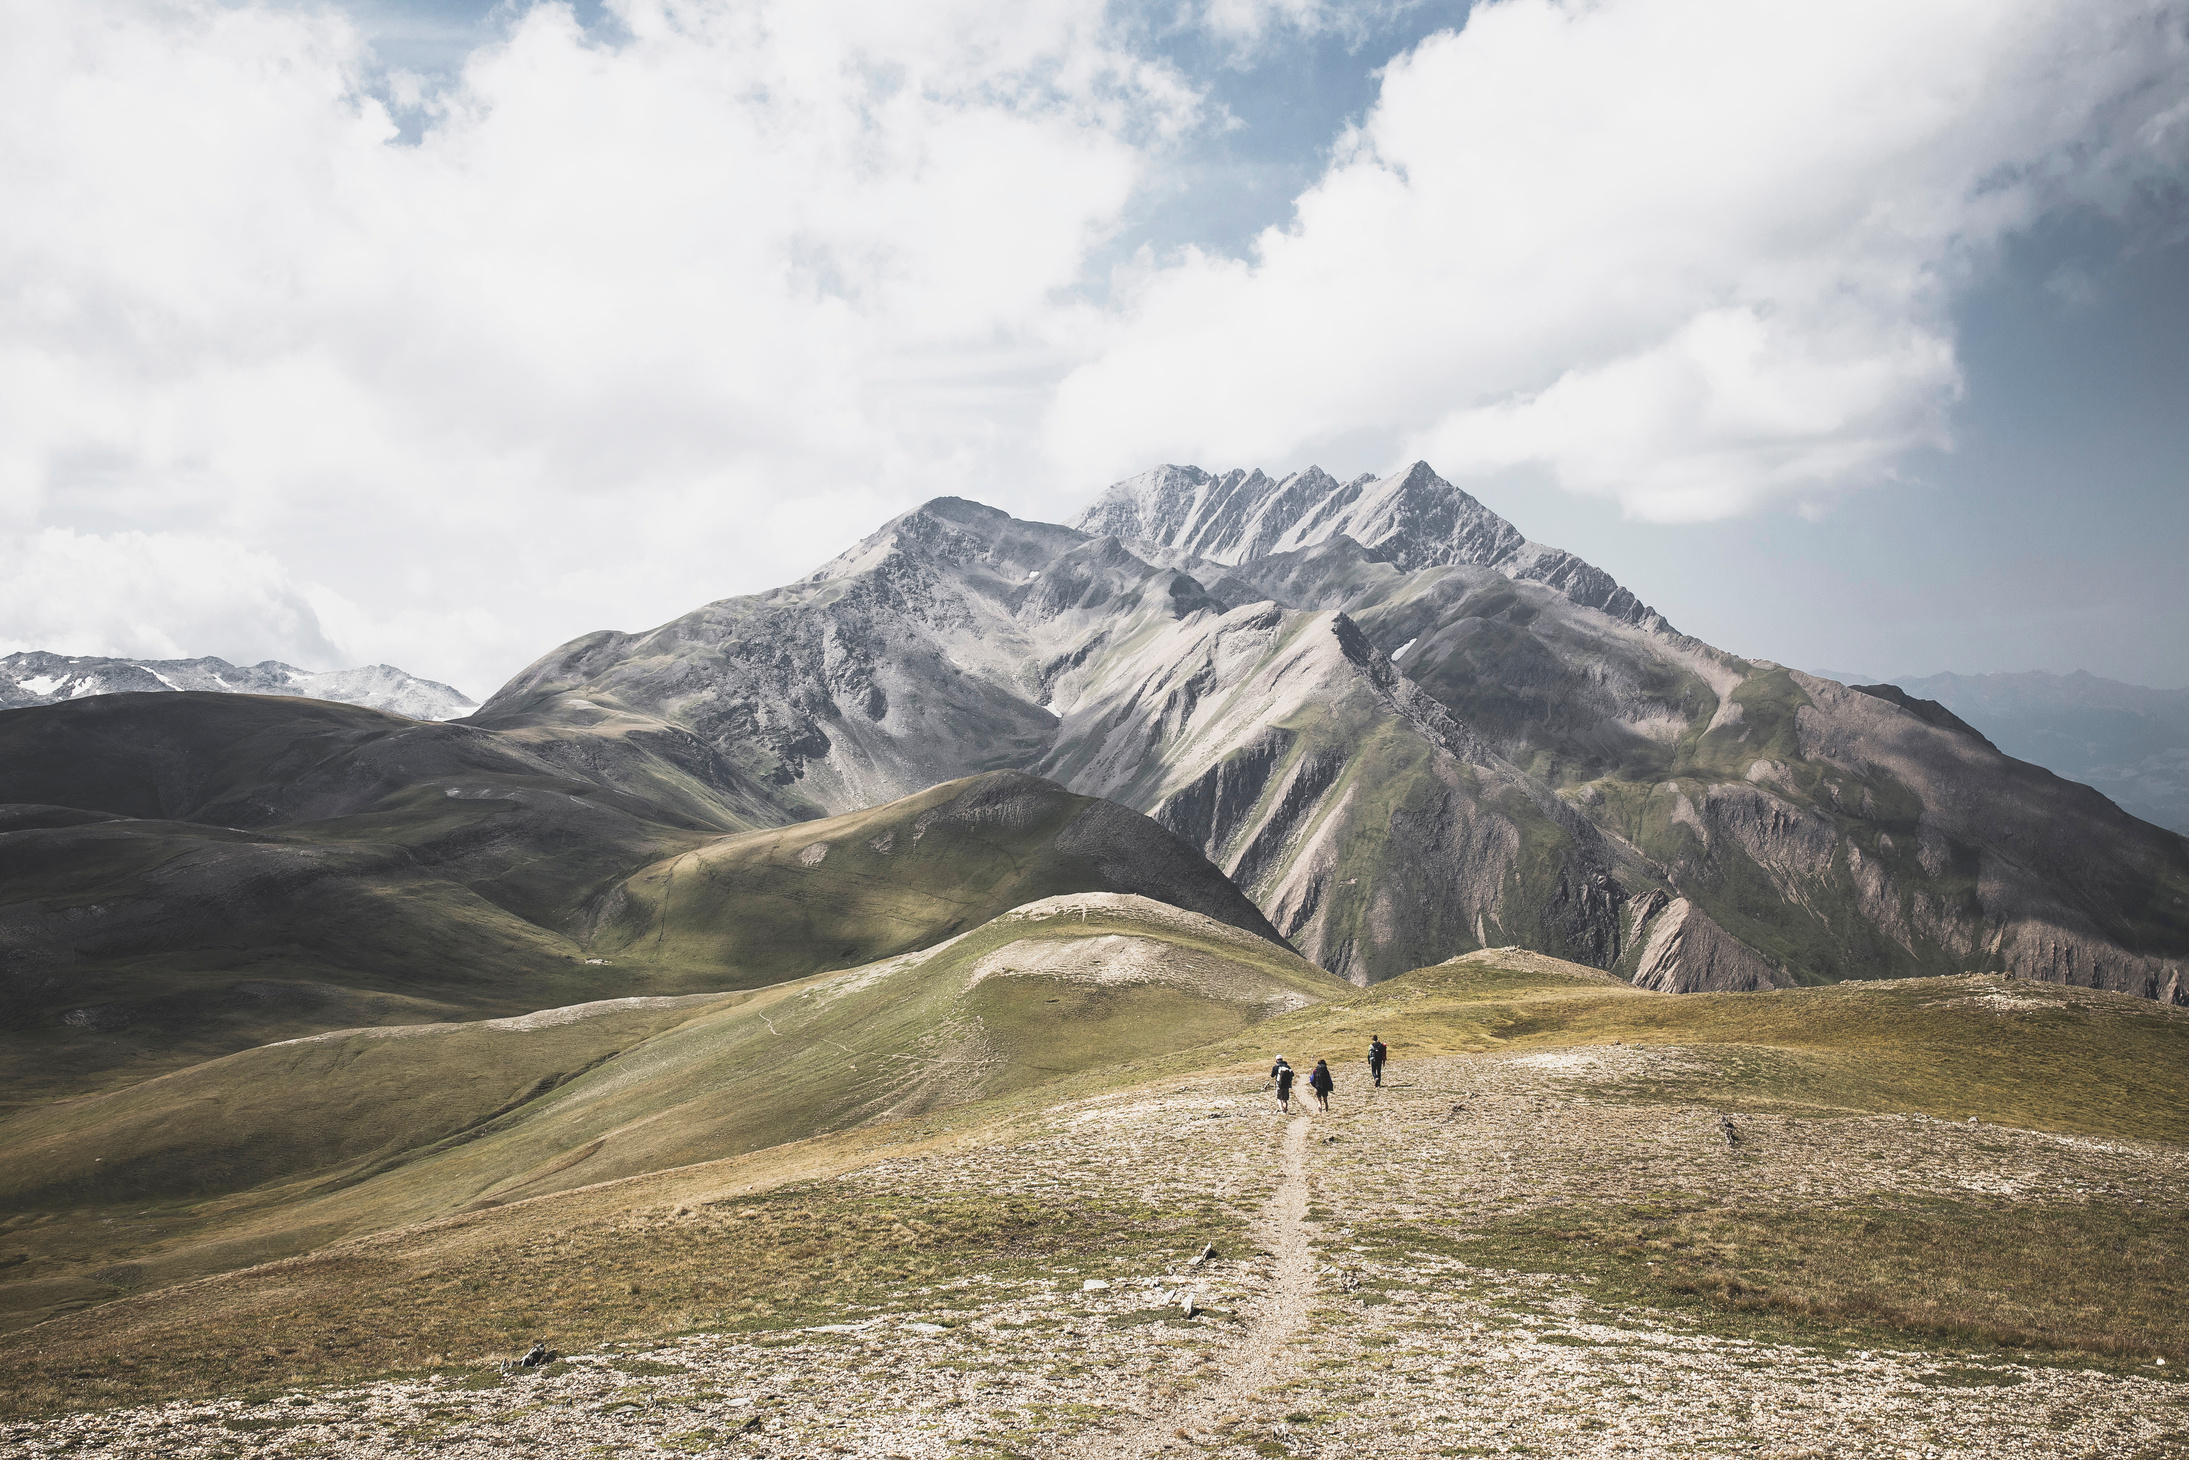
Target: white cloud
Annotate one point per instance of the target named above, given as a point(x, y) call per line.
point(160, 596)
point(634, 306)
point(1688, 254)
point(648, 319)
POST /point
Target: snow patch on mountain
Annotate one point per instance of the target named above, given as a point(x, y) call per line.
point(37, 678)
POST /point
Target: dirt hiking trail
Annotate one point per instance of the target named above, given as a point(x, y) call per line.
point(1261, 1358)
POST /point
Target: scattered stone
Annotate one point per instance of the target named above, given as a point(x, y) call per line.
point(1207, 1254)
point(922, 1328)
point(1188, 1306)
point(1094, 1285)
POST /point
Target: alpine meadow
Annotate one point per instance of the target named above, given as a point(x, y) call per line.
point(834, 1021)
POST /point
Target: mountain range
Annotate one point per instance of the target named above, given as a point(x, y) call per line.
point(38, 678)
point(1405, 731)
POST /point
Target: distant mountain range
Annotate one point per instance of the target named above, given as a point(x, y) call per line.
point(43, 679)
point(2128, 741)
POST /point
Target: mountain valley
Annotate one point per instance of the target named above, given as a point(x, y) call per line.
point(1577, 1217)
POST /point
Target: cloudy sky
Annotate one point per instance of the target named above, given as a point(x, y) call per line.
point(436, 332)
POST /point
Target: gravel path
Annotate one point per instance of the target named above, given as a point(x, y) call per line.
point(1264, 1355)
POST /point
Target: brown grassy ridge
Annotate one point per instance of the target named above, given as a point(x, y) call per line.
point(751, 1073)
point(728, 1244)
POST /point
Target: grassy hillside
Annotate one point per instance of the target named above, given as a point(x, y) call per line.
point(2006, 1051)
point(279, 1149)
point(773, 905)
point(1033, 1098)
point(140, 946)
point(186, 876)
point(263, 760)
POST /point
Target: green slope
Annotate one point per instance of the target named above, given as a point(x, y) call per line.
point(774, 905)
point(184, 876)
point(282, 1148)
point(212, 872)
point(2009, 1051)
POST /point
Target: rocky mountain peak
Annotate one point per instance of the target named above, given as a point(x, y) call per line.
point(1413, 519)
point(957, 533)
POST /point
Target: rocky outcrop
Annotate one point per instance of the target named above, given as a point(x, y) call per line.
point(1413, 520)
point(1684, 952)
point(1373, 827)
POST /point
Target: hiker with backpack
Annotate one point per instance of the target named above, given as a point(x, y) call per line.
point(1321, 1083)
point(1378, 1052)
point(1282, 1074)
